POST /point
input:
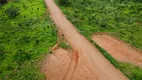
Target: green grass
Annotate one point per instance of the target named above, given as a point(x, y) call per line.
point(120, 18)
point(24, 40)
point(64, 45)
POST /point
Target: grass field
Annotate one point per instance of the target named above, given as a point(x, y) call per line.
point(25, 36)
point(24, 39)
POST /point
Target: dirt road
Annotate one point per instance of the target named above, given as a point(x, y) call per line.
point(84, 52)
point(119, 49)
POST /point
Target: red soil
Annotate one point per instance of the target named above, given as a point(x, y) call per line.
point(119, 49)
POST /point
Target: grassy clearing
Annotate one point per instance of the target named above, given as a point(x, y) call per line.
point(24, 39)
point(120, 18)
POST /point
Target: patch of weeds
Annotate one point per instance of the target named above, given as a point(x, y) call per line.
point(50, 52)
point(65, 45)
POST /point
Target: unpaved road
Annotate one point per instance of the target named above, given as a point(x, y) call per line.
point(85, 55)
point(119, 49)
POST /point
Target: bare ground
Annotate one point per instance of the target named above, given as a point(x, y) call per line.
point(86, 62)
point(62, 65)
point(119, 49)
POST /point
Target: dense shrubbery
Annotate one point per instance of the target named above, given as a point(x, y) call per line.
point(64, 2)
point(12, 11)
point(24, 39)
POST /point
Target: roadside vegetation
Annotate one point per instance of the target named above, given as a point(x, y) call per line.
point(120, 18)
point(25, 37)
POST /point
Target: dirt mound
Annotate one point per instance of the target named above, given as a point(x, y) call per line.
point(119, 49)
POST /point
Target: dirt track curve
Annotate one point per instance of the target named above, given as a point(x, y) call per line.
point(86, 62)
point(119, 49)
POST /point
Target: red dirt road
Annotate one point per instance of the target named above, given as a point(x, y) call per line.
point(85, 58)
point(119, 49)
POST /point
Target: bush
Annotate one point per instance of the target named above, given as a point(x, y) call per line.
point(64, 2)
point(12, 12)
point(22, 56)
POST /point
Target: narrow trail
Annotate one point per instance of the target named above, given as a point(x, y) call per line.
point(86, 58)
point(119, 49)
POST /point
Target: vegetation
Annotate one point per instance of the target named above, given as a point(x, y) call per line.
point(12, 12)
point(64, 2)
point(25, 37)
point(120, 18)
point(65, 45)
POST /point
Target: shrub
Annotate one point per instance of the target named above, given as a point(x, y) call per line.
point(64, 2)
point(12, 12)
point(22, 56)
point(64, 45)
